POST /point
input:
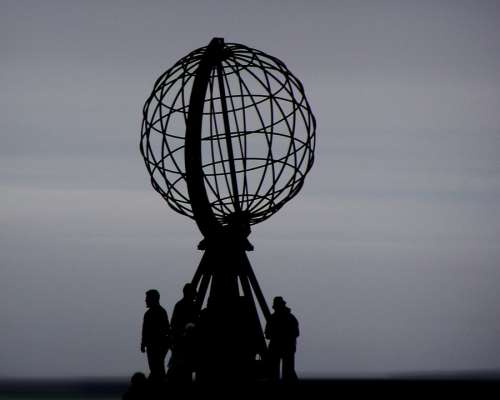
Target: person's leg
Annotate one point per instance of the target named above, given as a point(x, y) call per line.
point(162, 353)
point(289, 373)
point(151, 360)
point(156, 360)
point(273, 362)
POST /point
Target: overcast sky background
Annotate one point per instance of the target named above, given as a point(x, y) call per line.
point(389, 256)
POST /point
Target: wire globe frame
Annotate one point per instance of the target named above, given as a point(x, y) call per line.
point(257, 166)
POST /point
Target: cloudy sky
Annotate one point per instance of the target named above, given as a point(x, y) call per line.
point(389, 256)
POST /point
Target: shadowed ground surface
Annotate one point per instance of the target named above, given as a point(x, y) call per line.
point(463, 383)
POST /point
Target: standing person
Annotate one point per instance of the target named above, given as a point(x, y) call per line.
point(155, 331)
point(185, 310)
point(184, 320)
point(282, 331)
point(183, 360)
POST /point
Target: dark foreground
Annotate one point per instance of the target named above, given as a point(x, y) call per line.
point(309, 388)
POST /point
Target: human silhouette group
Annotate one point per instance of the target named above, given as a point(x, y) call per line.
point(194, 343)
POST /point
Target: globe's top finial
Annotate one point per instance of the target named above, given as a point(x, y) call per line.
point(228, 135)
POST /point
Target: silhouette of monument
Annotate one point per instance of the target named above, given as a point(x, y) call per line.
point(228, 137)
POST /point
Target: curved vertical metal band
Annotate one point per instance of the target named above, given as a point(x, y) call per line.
point(203, 214)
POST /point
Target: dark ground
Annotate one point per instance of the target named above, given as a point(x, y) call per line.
point(471, 385)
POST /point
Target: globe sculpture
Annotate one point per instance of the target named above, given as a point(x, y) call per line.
point(228, 137)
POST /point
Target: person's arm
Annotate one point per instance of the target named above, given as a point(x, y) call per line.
point(167, 324)
point(143, 335)
point(166, 328)
point(296, 327)
point(173, 321)
point(267, 331)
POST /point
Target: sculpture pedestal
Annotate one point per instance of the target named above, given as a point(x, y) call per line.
point(230, 334)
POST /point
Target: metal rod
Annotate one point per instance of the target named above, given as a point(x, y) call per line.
point(200, 270)
point(256, 288)
point(198, 197)
point(227, 129)
point(205, 281)
point(247, 290)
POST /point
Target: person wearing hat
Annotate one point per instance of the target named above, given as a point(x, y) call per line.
point(282, 330)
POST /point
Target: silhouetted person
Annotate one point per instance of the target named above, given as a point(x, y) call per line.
point(184, 320)
point(155, 331)
point(185, 311)
point(282, 331)
point(183, 360)
point(138, 387)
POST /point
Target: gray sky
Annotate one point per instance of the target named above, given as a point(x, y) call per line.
point(389, 256)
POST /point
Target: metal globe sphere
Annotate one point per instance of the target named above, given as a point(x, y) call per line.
point(257, 135)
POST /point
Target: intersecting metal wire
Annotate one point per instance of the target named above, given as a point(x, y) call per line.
point(272, 133)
